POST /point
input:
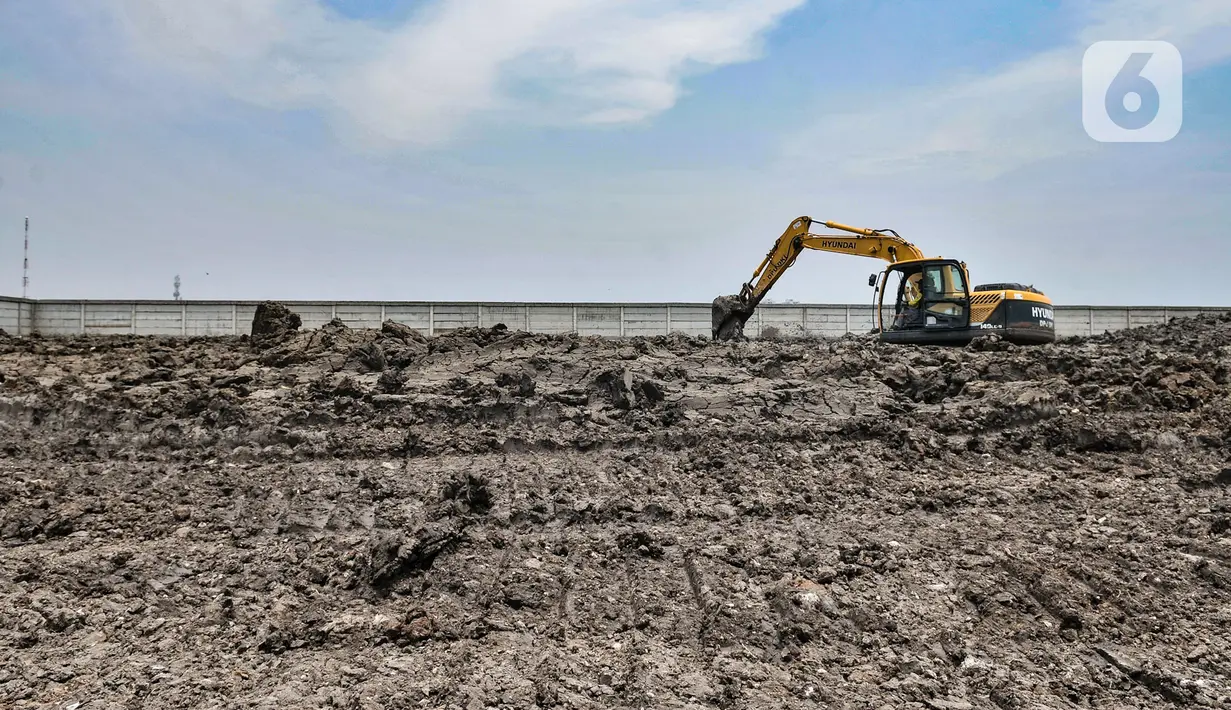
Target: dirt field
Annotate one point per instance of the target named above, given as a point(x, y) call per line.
point(369, 519)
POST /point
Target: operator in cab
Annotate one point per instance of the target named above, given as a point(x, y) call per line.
point(911, 314)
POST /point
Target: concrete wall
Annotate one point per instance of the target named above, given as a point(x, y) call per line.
point(50, 317)
point(16, 315)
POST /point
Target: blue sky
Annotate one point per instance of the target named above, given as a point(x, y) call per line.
point(582, 150)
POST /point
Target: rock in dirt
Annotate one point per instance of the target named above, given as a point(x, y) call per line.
point(520, 383)
point(391, 381)
point(397, 557)
point(402, 332)
point(273, 323)
point(368, 357)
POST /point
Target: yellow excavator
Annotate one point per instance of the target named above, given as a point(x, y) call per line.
point(931, 300)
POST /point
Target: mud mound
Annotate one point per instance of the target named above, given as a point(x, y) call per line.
point(490, 518)
point(273, 323)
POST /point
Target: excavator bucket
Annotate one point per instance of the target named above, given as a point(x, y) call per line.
point(728, 316)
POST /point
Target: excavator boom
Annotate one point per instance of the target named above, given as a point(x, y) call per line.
point(731, 312)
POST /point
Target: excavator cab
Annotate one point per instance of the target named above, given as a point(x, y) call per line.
point(924, 301)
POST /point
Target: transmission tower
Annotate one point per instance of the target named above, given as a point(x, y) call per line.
point(176, 295)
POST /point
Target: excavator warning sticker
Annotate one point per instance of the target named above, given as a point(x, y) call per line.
point(837, 244)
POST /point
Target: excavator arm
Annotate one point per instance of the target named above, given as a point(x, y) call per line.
point(731, 312)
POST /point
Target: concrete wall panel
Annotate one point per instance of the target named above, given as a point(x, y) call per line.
point(597, 320)
point(105, 318)
point(553, 319)
point(72, 317)
point(690, 319)
point(358, 315)
point(643, 320)
point(243, 318)
point(313, 314)
point(1110, 319)
point(413, 316)
point(158, 319)
point(1076, 321)
point(785, 321)
point(11, 316)
point(214, 319)
point(513, 315)
point(453, 316)
point(829, 321)
point(1138, 317)
point(25, 318)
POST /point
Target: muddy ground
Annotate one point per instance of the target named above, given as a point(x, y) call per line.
point(370, 519)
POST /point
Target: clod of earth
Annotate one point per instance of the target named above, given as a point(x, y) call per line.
point(358, 518)
point(729, 314)
point(273, 323)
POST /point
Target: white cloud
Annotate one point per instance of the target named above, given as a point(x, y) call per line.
point(553, 61)
point(1025, 112)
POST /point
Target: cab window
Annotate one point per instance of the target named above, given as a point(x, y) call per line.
point(944, 297)
point(946, 282)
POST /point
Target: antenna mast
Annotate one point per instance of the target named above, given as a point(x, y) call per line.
point(25, 261)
